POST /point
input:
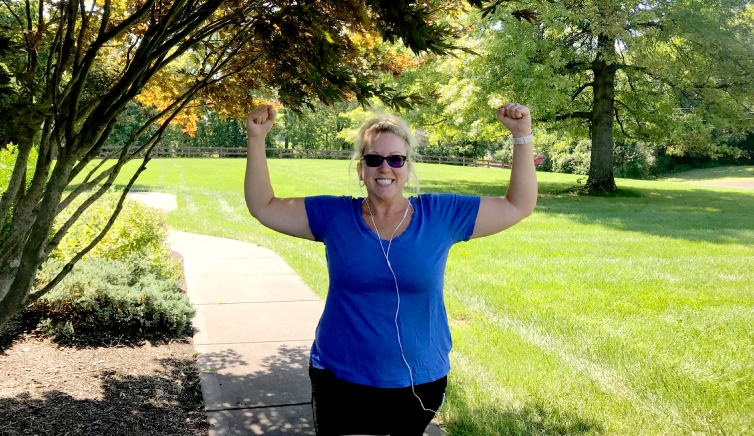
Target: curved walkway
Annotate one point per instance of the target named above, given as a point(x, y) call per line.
point(253, 329)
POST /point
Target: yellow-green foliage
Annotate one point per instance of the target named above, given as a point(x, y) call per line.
point(8, 158)
point(138, 230)
point(127, 285)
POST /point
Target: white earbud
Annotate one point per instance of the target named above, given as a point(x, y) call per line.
point(397, 310)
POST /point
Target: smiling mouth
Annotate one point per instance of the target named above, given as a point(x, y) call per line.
point(384, 182)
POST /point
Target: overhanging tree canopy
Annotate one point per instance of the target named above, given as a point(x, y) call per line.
point(68, 69)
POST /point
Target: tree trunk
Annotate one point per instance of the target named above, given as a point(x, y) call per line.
point(601, 169)
point(30, 231)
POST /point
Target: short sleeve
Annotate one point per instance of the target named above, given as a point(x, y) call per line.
point(321, 211)
point(459, 213)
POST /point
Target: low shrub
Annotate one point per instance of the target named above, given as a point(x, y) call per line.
point(108, 297)
point(139, 231)
point(126, 286)
point(634, 160)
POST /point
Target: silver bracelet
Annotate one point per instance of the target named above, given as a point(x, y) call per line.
point(521, 140)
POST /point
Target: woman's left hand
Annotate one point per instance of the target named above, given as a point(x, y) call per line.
point(516, 118)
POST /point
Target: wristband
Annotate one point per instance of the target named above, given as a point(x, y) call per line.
point(521, 140)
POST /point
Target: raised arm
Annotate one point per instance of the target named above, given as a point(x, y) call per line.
point(285, 215)
point(498, 213)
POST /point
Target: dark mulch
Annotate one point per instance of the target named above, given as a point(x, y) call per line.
point(108, 386)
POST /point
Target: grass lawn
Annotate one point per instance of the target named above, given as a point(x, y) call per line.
point(623, 315)
point(715, 175)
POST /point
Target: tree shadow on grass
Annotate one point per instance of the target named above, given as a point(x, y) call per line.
point(530, 420)
point(143, 405)
point(693, 214)
point(269, 397)
point(534, 418)
point(274, 397)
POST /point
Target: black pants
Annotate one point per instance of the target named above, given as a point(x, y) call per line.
point(344, 408)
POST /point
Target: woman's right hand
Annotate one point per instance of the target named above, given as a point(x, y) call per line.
point(516, 118)
point(260, 121)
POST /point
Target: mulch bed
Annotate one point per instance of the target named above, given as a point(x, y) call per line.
point(107, 386)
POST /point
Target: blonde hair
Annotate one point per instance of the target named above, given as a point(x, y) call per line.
point(390, 124)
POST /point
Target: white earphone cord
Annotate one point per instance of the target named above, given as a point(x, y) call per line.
point(397, 310)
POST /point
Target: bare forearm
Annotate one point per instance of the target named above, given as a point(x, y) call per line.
point(522, 190)
point(257, 186)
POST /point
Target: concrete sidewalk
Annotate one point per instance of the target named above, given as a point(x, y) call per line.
point(253, 329)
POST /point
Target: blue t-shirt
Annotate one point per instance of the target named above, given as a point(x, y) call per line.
point(356, 337)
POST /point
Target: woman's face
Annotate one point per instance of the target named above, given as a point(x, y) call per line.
point(385, 182)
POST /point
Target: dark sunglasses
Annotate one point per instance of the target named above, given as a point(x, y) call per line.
point(375, 160)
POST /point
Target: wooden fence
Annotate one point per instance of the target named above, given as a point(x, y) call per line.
point(291, 153)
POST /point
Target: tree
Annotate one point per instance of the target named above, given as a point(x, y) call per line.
point(69, 69)
point(676, 73)
point(317, 128)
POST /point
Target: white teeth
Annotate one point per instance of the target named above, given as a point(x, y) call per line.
point(384, 181)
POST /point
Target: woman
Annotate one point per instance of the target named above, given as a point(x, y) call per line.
point(379, 361)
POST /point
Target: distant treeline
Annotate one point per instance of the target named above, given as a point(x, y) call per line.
point(330, 128)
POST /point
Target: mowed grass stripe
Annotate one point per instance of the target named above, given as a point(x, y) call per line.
point(715, 175)
point(628, 314)
point(622, 368)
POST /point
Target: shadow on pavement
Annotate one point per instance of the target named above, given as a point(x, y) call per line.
point(271, 397)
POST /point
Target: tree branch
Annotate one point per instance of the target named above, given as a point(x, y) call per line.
point(617, 118)
point(125, 24)
point(150, 56)
point(78, 77)
point(637, 120)
point(65, 58)
point(15, 184)
point(85, 18)
point(32, 67)
point(50, 88)
point(581, 89)
point(577, 66)
point(86, 204)
point(105, 18)
point(584, 115)
point(176, 106)
point(69, 266)
point(626, 67)
point(648, 25)
point(20, 23)
point(124, 158)
point(436, 123)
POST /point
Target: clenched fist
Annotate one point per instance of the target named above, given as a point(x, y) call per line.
point(516, 118)
point(260, 121)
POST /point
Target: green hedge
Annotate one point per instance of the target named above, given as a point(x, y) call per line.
point(112, 298)
point(138, 231)
point(127, 286)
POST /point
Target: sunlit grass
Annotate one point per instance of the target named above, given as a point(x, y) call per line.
point(715, 175)
point(624, 314)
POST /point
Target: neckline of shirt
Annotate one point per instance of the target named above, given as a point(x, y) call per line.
point(364, 228)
